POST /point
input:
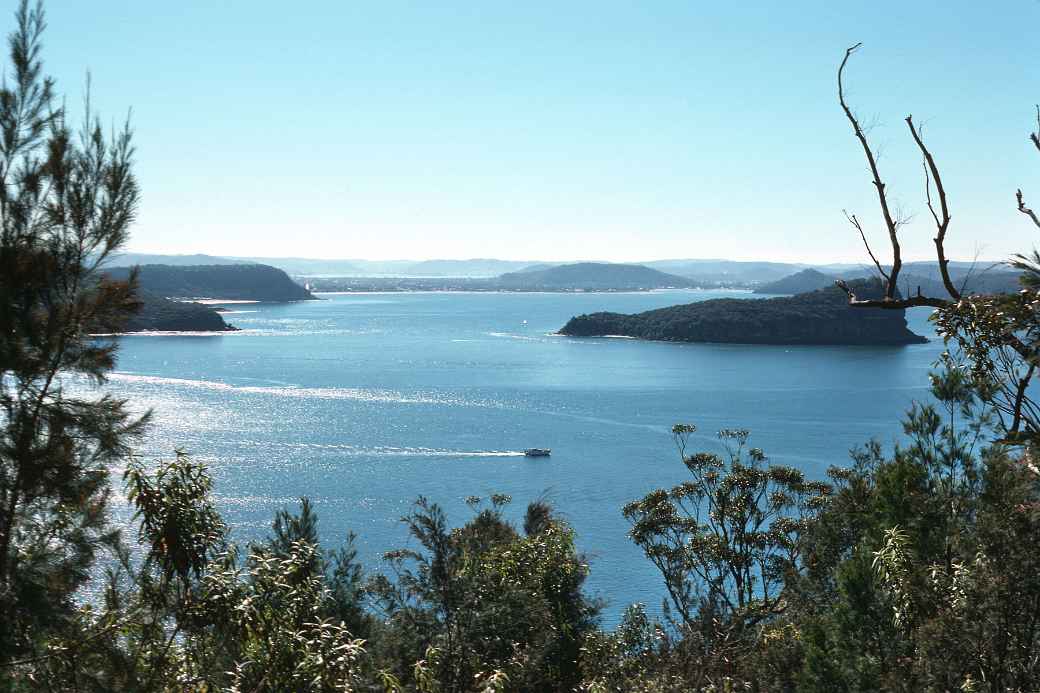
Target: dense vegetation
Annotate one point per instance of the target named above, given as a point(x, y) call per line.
point(913, 569)
point(818, 317)
point(158, 314)
point(228, 282)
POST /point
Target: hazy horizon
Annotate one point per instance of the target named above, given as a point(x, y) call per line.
point(476, 258)
point(602, 130)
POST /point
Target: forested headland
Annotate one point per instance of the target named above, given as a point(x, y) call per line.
point(165, 293)
point(241, 282)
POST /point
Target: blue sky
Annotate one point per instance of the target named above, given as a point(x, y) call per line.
point(537, 130)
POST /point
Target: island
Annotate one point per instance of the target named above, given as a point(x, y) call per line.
point(816, 317)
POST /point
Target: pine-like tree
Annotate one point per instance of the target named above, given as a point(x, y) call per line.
point(67, 200)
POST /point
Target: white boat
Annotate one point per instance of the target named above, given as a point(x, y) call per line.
point(537, 452)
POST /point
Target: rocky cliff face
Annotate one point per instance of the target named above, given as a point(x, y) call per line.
point(817, 317)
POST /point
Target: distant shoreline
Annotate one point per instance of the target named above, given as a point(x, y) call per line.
point(691, 290)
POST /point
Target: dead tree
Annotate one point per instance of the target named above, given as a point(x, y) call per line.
point(998, 336)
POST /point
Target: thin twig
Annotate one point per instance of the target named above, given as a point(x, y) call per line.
point(859, 227)
point(890, 222)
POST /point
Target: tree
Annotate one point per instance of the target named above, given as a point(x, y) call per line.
point(482, 601)
point(726, 542)
point(67, 202)
point(924, 568)
point(341, 570)
point(997, 336)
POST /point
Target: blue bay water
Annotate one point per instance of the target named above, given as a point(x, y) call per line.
point(363, 402)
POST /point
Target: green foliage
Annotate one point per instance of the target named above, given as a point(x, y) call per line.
point(727, 540)
point(498, 608)
point(179, 523)
point(66, 202)
point(997, 337)
point(909, 572)
point(915, 571)
point(273, 615)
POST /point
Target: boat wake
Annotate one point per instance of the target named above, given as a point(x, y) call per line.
point(380, 450)
point(506, 335)
point(290, 391)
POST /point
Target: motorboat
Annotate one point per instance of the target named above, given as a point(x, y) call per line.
point(537, 452)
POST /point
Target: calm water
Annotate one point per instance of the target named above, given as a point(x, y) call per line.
point(363, 402)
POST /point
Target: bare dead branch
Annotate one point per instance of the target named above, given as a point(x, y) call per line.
point(917, 301)
point(942, 219)
point(859, 227)
point(1026, 210)
point(1035, 136)
point(928, 192)
point(1020, 399)
point(890, 223)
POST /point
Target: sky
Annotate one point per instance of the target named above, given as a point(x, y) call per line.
point(617, 131)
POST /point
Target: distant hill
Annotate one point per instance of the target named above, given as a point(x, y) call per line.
point(797, 283)
point(129, 259)
point(229, 282)
point(960, 267)
point(914, 275)
point(727, 271)
point(985, 282)
point(160, 314)
point(541, 266)
point(479, 267)
point(817, 317)
point(303, 267)
point(310, 267)
point(592, 276)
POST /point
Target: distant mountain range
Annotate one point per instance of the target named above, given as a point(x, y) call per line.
point(130, 259)
point(797, 283)
point(914, 276)
point(238, 279)
point(727, 271)
point(466, 268)
point(705, 273)
point(311, 267)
